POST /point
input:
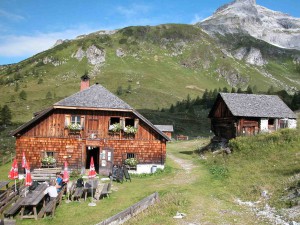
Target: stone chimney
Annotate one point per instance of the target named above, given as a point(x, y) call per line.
point(85, 82)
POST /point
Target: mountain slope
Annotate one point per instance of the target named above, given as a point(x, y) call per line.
point(149, 67)
point(246, 17)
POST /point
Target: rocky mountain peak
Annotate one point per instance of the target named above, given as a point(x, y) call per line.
point(246, 17)
point(248, 2)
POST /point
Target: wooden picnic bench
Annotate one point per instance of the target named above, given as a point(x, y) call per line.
point(9, 196)
point(50, 207)
point(32, 200)
point(4, 184)
point(14, 208)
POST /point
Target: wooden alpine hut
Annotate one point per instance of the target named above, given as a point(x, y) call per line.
point(91, 123)
point(235, 114)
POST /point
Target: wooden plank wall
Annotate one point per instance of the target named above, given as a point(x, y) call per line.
point(53, 125)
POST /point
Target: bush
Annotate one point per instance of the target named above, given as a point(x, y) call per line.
point(219, 171)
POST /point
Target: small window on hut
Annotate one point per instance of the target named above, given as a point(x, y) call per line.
point(130, 155)
point(74, 121)
point(129, 122)
point(271, 122)
point(51, 154)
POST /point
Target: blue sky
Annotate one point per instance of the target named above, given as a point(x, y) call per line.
point(31, 26)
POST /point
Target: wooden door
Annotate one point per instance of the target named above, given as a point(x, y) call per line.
point(106, 161)
point(93, 128)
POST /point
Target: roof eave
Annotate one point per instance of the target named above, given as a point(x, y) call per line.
point(25, 125)
point(91, 108)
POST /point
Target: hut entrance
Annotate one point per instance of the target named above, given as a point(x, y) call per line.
point(92, 151)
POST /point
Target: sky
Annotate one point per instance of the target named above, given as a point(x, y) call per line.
point(28, 27)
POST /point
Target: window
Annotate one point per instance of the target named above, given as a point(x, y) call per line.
point(129, 122)
point(114, 124)
point(283, 123)
point(47, 154)
point(130, 155)
point(114, 120)
point(75, 120)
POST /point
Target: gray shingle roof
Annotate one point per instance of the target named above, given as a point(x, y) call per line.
point(96, 96)
point(251, 105)
point(167, 128)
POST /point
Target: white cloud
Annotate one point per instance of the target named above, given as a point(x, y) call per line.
point(28, 45)
point(133, 10)
point(10, 16)
point(197, 19)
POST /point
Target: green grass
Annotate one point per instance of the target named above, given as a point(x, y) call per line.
point(208, 192)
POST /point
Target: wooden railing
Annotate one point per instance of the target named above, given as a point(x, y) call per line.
point(133, 210)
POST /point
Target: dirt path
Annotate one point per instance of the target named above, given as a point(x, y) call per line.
point(184, 175)
point(187, 165)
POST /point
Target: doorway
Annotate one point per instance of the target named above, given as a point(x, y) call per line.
point(92, 151)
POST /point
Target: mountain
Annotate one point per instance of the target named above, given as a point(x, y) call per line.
point(246, 17)
point(149, 67)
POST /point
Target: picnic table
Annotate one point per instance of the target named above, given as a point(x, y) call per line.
point(3, 184)
point(32, 200)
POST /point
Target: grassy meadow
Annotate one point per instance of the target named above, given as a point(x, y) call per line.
point(202, 184)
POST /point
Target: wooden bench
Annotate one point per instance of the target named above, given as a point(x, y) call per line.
point(9, 196)
point(90, 186)
point(106, 190)
point(50, 207)
point(45, 174)
point(77, 193)
point(14, 208)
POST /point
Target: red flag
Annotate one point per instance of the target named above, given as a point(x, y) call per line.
point(13, 173)
point(28, 179)
point(23, 161)
point(66, 173)
point(92, 172)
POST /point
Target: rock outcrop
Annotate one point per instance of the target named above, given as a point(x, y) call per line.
point(252, 56)
point(94, 55)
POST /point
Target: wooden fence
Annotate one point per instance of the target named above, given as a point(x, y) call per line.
point(133, 210)
point(6, 159)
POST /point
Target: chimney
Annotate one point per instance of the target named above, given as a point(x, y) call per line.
point(85, 82)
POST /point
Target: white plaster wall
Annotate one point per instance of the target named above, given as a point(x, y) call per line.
point(146, 168)
point(264, 125)
point(292, 123)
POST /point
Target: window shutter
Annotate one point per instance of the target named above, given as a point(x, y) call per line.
point(67, 120)
point(136, 123)
point(82, 121)
point(122, 122)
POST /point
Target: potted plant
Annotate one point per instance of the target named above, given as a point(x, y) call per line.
point(130, 130)
point(116, 127)
point(131, 162)
point(48, 161)
point(74, 127)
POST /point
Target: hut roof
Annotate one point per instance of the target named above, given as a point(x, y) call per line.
point(253, 105)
